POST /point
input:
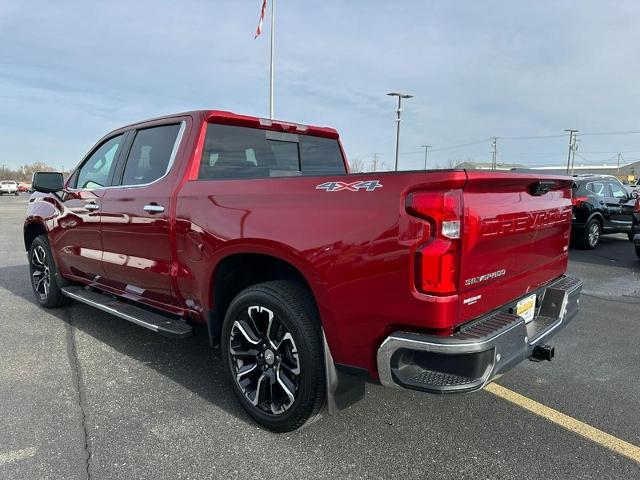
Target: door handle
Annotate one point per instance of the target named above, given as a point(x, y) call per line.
point(153, 208)
point(92, 206)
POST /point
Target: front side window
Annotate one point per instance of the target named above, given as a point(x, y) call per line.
point(617, 190)
point(243, 152)
point(94, 173)
point(150, 154)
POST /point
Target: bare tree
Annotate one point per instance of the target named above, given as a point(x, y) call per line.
point(25, 172)
point(356, 165)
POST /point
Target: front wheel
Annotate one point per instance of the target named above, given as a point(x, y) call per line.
point(45, 281)
point(272, 353)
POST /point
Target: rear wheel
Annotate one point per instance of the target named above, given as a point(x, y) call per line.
point(272, 353)
point(45, 280)
point(591, 235)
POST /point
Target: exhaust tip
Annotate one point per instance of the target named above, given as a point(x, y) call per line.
point(542, 352)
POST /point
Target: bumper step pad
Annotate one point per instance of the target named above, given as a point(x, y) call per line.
point(429, 377)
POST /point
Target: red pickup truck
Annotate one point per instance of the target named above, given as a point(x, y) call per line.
point(312, 280)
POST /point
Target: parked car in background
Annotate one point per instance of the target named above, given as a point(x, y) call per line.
point(635, 229)
point(23, 187)
point(601, 205)
point(631, 188)
point(8, 187)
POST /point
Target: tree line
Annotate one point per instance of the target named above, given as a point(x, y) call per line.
point(24, 173)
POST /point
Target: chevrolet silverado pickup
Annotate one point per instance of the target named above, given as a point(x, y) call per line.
point(311, 279)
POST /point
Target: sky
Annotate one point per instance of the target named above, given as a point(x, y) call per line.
point(70, 71)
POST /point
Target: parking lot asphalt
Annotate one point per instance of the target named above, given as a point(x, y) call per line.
point(86, 395)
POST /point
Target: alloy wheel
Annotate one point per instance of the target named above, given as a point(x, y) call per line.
point(594, 234)
point(265, 362)
point(40, 272)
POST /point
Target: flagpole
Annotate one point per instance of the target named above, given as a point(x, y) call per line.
point(273, 39)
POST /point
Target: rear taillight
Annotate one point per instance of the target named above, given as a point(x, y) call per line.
point(437, 259)
point(636, 208)
point(578, 201)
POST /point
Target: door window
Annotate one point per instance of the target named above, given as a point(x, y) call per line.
point(617, 191)
point(150, 154)
point(94, 173)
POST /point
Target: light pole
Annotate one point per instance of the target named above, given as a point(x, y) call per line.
point(398, 112)
point(426, 152)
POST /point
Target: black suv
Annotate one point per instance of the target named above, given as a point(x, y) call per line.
point(600, 205)
point(635, 229)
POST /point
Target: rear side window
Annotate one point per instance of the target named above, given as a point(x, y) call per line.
point(150, 154)
point(599, 188)
point(242, 152)
point(94, 172)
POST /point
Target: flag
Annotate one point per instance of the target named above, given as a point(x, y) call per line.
point(264, 9)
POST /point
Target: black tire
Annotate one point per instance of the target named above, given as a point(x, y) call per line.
point(46, 283)
point(591, 235)
point(255, 328)
point(638, 251)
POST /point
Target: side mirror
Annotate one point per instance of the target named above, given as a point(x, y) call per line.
point(634, 194)
point(47, 182)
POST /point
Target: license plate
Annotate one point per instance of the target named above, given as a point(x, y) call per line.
point(526, 308)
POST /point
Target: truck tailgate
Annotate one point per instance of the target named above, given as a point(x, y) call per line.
point(515, 239)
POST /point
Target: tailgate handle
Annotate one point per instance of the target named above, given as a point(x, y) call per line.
point(541, 187)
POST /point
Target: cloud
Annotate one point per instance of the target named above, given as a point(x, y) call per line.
point(71, 71)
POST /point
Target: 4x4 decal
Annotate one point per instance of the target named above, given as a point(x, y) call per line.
point(369, 186)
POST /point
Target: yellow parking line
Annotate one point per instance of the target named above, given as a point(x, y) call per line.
point(587, 431)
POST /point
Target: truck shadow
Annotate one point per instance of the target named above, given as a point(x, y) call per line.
point(190, 362)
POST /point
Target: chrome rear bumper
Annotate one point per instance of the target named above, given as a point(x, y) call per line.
point(482, 349)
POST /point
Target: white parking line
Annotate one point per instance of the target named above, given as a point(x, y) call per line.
point(10, 457)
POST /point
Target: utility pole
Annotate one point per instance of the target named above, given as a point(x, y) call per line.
point(619, 159)
point(572, 132)
point(398, 112)
point(375, 162)
point(3, 168)
point(494, 153)
point(426, 152)
point(573, 152)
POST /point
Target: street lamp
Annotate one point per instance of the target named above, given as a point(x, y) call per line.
point(426, 151)
point(398, 111)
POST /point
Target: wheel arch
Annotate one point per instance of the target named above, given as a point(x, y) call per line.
point(597, 216)
point(32, 230)
point(239, 269)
